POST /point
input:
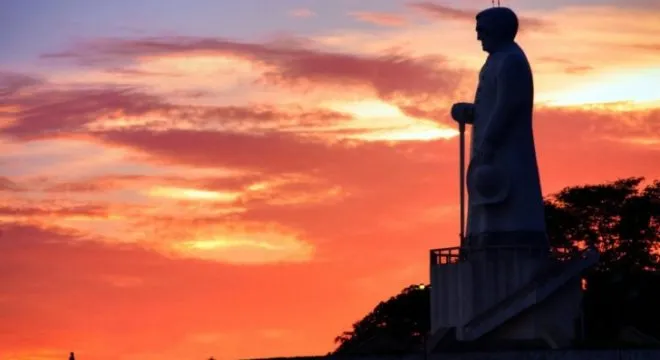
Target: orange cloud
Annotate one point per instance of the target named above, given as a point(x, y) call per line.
point(90, 281)
point(193, 194)
point(190, 222)
point(53, 211)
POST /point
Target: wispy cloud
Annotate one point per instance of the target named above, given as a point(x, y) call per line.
point(394, 77)
point(301, 13)
point(51, 113)
point(380, 18)
point(468, 15)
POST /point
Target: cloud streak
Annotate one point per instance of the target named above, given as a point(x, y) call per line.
point(50, 113)
point(443, 12)
point(393, 77)
point(301, 13)
point(380, 18)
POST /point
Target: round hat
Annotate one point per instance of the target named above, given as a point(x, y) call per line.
point(487, 184)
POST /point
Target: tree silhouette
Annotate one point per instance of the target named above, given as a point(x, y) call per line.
point(395, 325)
point(621, 219)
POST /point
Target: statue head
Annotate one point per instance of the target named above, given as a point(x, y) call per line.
point(496, 27)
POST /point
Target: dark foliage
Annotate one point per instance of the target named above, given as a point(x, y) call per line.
point(616, 301)
point(396, 325)
point(621, 219)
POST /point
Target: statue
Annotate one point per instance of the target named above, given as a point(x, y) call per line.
point(505, 202)
point(504, 288)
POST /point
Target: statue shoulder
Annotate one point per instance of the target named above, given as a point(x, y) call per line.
point(514, 62)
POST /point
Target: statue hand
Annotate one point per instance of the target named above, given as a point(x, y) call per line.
point(463, 112)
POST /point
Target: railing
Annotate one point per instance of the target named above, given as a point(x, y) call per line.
point(456, 254)
point(445, 256)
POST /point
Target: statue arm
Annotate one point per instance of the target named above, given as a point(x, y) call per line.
point(512, 93)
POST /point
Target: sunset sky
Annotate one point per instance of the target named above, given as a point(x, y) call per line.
point(191, 178)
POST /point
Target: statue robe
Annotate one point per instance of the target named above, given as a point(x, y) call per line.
point(503, 119)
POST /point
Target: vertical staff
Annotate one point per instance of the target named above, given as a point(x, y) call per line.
point(461, 171)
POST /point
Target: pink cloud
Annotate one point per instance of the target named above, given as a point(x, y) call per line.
point(11, 82)
point(302, 13)
point(44, 113)
point(380, 18)
point(450, 13)
point(394, 77)
point(48, 113)
point(7, 185)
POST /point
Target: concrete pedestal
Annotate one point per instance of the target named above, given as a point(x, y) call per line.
point(506, 295)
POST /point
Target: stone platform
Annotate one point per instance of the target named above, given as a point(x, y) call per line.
point(505, 297)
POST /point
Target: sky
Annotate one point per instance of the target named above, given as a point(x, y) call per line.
point(183, 179)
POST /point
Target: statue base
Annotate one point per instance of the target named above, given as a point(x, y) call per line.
point(503, 296)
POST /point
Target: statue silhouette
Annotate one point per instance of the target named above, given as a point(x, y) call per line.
point(72, 356)
point(505, 202)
